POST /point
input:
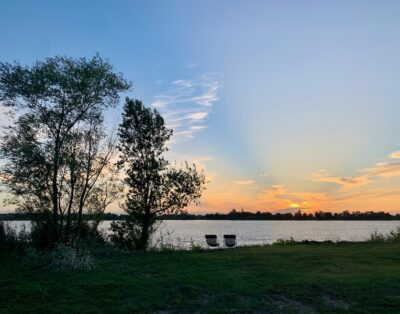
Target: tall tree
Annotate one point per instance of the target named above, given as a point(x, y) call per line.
point(53, 99)
point(153, 186)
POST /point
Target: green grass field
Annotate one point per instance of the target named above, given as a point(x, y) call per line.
point(303, 278)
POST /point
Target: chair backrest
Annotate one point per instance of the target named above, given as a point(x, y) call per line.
point(211, 240)
point(230, 240)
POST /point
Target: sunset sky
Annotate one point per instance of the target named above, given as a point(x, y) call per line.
point(284, 104)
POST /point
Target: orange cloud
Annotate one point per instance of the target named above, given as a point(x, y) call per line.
point(384, 169)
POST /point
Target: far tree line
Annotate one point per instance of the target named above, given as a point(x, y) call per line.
point(235, 215)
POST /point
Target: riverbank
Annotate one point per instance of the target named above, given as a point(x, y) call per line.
point(234, 215)
point(327, 278)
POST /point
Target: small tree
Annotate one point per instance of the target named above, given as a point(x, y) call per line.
point(154, 188)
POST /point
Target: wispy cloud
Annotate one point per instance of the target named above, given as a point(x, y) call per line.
point(244, 182)
point(345, 181)
point(191, 65)
point(197, 116)
point(385, 169)
point(197, 127)
point(187, 104)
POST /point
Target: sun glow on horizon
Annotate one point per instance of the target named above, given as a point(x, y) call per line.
point(293, 108)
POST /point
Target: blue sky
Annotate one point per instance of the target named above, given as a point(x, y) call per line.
point(284, 103)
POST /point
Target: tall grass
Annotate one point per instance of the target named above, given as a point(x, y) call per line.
point(378, 237)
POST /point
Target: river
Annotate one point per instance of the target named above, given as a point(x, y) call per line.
point(184, 233)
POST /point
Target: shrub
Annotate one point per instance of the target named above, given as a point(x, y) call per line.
point(65, 258)
point(11, 240)
point(286, 241)
point(394, 236)
point(35, 258)
point(195, 247)
point(124, 235)
point(164, 242)
point(2, 233)
point(376, 237)
point(292, 241)
point(41, 234)
point(88, 232)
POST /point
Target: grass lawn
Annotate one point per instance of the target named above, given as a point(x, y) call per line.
point(303, 278)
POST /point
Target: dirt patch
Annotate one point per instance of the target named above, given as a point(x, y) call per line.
point(332, 301)
point(284, 304)
point(206, 299)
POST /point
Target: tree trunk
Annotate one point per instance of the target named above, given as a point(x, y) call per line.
point(56, 232)
point(56, 236)
point(68, 226)
point(144, 237)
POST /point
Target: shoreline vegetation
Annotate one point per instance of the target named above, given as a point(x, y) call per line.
point(232, 215)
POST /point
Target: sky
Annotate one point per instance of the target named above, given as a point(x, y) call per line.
point(284, 104)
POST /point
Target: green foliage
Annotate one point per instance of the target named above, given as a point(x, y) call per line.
point(154, 187)
point(125, 234)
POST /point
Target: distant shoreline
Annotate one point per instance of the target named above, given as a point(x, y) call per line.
point(235, 215)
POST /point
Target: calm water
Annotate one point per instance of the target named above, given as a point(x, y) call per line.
point(185, 232)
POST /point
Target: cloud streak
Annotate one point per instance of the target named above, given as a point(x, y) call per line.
point(386, 169)
point(244, 182)
point(187, 103)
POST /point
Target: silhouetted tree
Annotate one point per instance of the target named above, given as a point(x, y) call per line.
point(154, 187)
point(54, 100)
